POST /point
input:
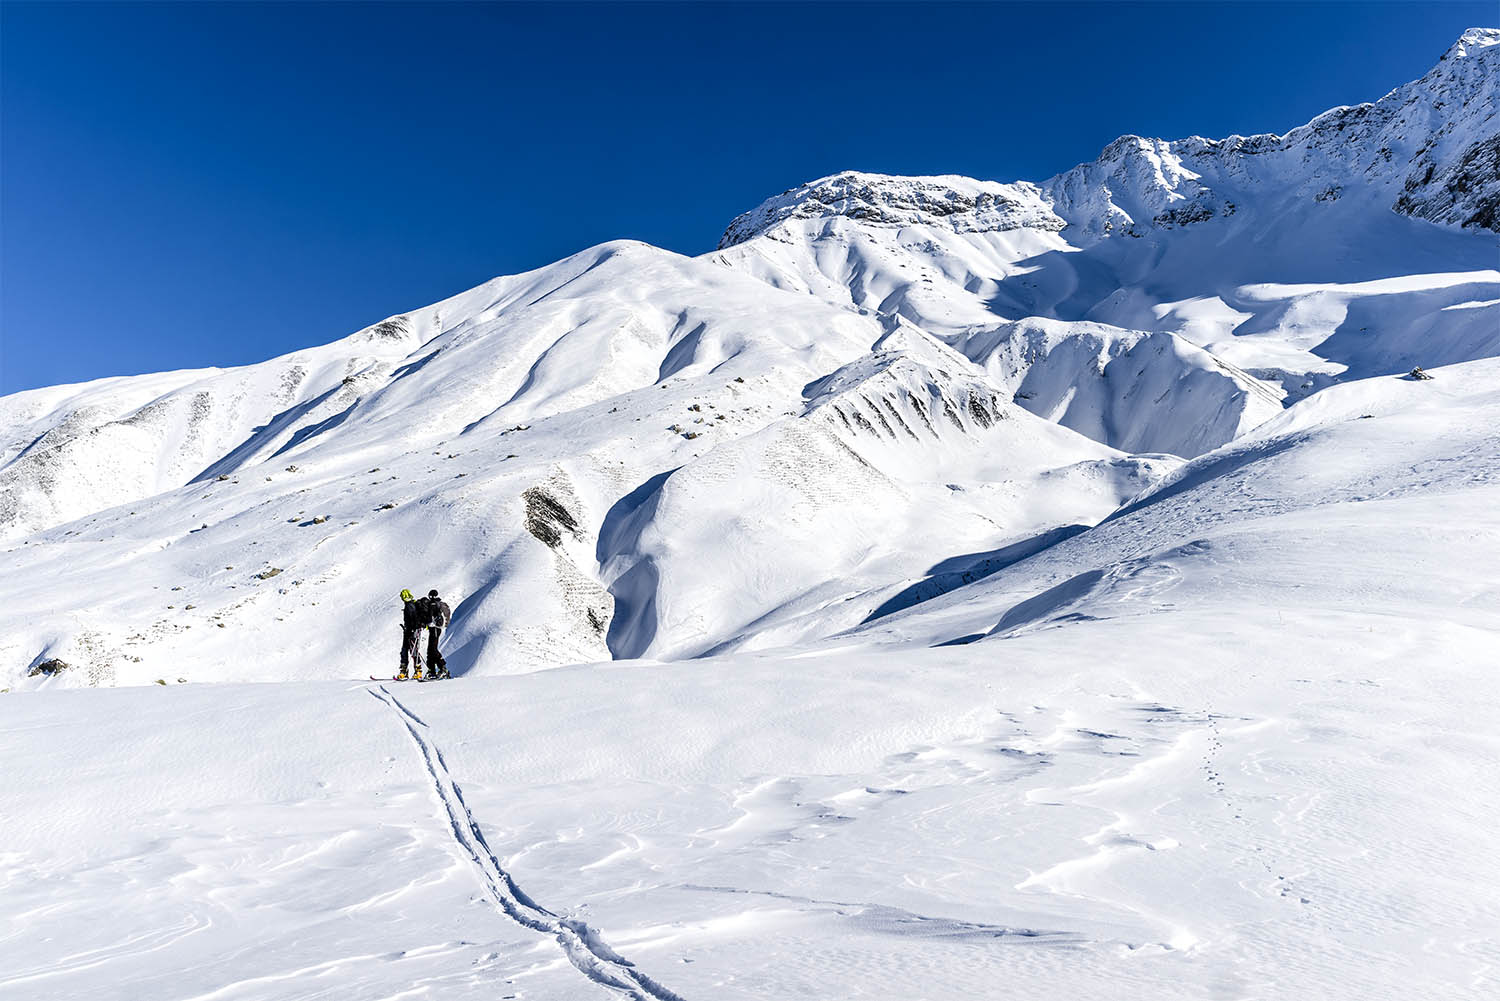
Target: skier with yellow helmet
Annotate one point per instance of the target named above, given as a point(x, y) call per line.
point(411, 629)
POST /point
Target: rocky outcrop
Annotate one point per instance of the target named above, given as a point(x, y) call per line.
point(957, 204)
point(1465, 193)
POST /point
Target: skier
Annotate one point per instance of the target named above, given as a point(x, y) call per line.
point(411, 629)
point(438, 614)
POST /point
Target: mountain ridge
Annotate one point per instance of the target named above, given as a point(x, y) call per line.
point(1151, 176)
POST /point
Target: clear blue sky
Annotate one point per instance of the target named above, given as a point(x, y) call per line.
point(185, 185)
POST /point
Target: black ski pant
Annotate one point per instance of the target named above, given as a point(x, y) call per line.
point(435, 660)
point(411, 647)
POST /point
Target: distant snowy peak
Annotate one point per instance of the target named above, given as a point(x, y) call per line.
point(957, 204)
point(1455, 177)
point(1429, 149)
point(1471, 41)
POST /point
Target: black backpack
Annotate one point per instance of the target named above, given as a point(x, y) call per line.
point(426, 613)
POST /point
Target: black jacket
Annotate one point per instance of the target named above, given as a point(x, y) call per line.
point(411, 616)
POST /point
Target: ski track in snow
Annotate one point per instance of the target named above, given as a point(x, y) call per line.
point(583, 946)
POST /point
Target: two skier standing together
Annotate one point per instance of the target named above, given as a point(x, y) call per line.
point(432, 614)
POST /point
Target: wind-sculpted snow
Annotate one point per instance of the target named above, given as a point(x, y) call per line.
point(1113, 385)
point(1383, 452)
point(932, 282)
point(892, 461)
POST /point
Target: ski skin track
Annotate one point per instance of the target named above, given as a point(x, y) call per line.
point(583, 946)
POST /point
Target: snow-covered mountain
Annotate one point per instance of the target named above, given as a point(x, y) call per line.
point(941, 589)
point(1275, 253)
point(634, 453)
point(1430, 142)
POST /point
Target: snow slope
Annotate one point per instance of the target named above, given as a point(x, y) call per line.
point(944, 589)
point(1241, 748)
point(633, 314)
point(495, 459)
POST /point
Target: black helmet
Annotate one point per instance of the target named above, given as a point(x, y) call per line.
point(433, 593)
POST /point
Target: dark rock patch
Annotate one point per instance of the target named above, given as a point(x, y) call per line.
point(546, 518)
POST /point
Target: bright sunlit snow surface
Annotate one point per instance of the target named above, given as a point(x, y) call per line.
point(943, 590)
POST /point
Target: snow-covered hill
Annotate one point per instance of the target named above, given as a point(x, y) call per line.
point(501, 457)
point(1237, 741)
point(632, 452)
point(942, 589)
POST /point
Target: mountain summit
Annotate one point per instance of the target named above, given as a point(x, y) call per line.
point(1427, 149)
point(960, 204)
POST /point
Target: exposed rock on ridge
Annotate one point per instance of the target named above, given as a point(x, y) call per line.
point(958, 204)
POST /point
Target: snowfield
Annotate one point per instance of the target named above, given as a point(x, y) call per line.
point(944, 589)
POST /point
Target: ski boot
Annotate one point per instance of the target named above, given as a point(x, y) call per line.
point(417, 673)
point(402, 676)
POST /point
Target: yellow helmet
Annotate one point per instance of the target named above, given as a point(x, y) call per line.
point(405, 594)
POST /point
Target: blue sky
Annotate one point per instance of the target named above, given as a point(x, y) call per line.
point(187, 185)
